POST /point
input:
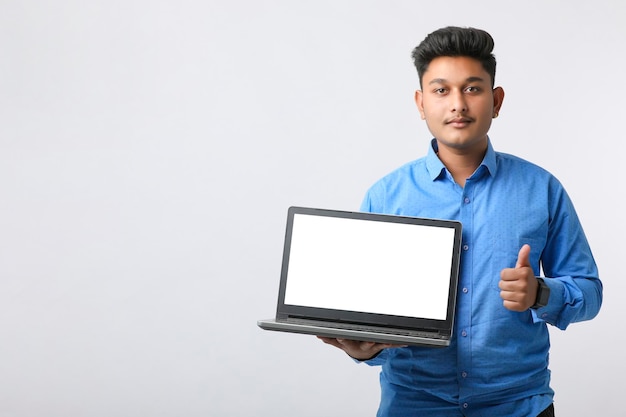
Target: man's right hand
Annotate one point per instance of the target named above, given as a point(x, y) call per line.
point(357, 349)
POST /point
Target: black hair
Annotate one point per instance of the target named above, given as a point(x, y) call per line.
point(456, 41)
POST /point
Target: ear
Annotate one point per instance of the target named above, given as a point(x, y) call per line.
point(498, 98)
point(419, 101)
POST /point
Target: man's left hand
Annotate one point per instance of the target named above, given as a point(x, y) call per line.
point(518, 286)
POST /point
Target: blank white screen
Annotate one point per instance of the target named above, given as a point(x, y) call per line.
point(370, 266)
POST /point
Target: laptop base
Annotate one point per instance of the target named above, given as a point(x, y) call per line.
point(362, 335)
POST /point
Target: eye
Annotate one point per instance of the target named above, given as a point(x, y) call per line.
point(439, 90)
point(473, 89)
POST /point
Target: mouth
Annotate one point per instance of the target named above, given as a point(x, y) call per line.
point(459, 121)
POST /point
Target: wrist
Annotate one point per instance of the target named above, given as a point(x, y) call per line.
point(543, 294)
point(365, 359)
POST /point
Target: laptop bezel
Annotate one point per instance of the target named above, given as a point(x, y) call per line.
point(443, 327)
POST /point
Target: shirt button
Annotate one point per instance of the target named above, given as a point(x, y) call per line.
point(465, 247)
point(544, 315)
point(466, 200)
point(465, 290)
point(464, 375)
point(464, 333)
point(465, 405)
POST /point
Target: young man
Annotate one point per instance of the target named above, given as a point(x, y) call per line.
point(517, 219)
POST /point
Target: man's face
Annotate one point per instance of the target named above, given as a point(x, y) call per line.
point(458, 103)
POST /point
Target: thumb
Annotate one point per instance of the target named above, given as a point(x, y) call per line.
point(523, 257)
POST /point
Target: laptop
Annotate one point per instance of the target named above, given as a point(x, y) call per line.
point(369, 277)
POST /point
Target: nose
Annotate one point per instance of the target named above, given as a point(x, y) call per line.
point(458, 103)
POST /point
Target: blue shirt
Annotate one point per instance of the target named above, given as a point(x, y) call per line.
point(498, 359)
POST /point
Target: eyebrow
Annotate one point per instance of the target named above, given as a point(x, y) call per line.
point(468, 80)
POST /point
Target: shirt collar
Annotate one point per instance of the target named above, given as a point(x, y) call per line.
point(436, 168)
point(433, 163)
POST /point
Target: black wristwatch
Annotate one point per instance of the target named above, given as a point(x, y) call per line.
point(543, 294)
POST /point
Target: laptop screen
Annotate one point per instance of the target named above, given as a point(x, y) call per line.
point(375, 264)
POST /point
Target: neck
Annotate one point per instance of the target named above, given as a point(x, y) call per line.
point(461, 163)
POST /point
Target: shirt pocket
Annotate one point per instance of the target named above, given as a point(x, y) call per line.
point(504, 255)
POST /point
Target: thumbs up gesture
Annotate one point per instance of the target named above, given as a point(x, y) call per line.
point(518, 286)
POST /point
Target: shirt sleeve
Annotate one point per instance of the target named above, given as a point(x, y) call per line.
point(569, 267)
point(373, 200)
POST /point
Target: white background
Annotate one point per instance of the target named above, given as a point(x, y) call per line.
point(149, 151)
